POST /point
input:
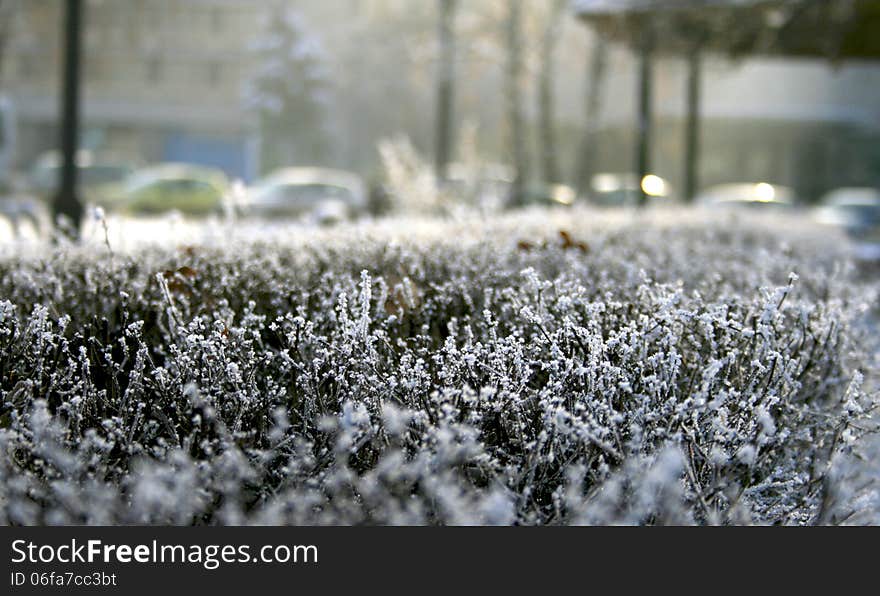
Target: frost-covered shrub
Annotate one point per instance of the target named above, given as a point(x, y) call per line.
point(472, 373)
point(409, 177)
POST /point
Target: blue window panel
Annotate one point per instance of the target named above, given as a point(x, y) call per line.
point(227, 154)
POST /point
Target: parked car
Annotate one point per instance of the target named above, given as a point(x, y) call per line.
point(189, 189)
point(856, 210)
point(319, 194)
point(100, 180)
point(18, 209)
point(548, 195)
point(485, 185)
point(749, 195)
point(609, 189)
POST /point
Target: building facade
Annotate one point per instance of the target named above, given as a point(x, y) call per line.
point(162, 79)
point(804, 123)
point(799, 105)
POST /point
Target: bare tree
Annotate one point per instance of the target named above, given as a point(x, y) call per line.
point(7, 12)
point(693, 91)
point(546, 95)
point(645, 125)
point(445, 88)
point(515, 68)
point(586, 159)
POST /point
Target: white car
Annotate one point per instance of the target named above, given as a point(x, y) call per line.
point(623, 189)
point(321, 195)
point(857, 212)
point(750, 195)
point(18, 209)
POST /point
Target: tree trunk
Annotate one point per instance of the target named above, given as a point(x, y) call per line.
point(67, 203)
point(515, 102)
point(586, 160)
point(6, 11)
point(445, 90)
point(546, 96)
point(692, 126)
point(645, 111)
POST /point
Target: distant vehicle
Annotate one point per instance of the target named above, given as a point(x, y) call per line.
point(189, 189)
point(14, 207)
point(485, 185)
point(610, 189)
point(17, 209)
point(856, 210)
point(750, 195)
point(321, 195)
point(548, 195)
point(100, 180)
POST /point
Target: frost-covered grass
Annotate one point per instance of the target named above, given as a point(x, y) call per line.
point(560, 368)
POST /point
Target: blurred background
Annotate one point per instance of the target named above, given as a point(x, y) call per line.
point(337, 108)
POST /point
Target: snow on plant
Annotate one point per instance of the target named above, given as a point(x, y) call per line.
point(409, 177)
point(461, 373)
